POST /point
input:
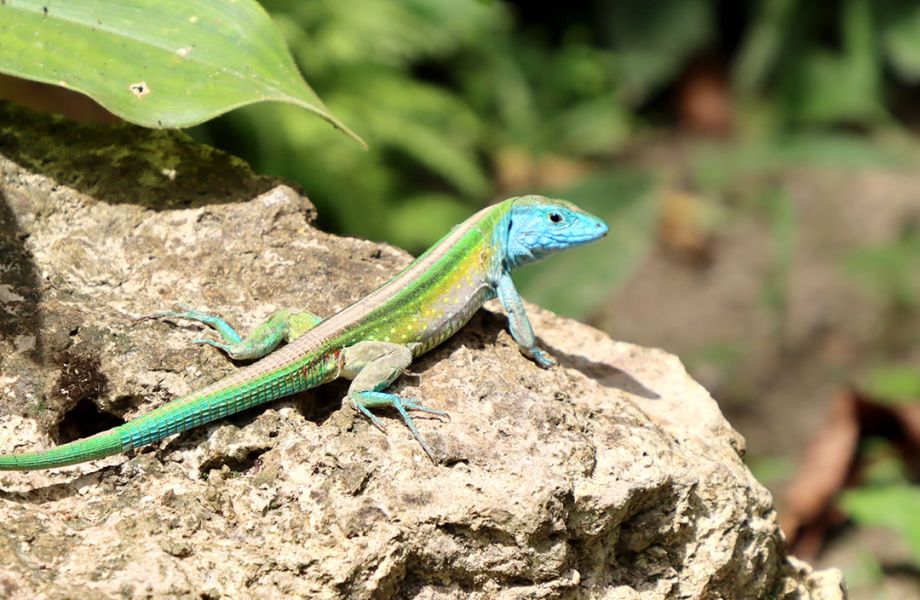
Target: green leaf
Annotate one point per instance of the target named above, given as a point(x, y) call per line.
point(865, 575)
point(763, 46)
point(824, 86)
point(770, 470)
point(780, 209)
point(414, 220)
point(428, 125)
point(339, 33)
point(577, 282)
point(893, 384)
point(892, 507)
point(654, 39)
point(890, 269)
point(901, 38)
point(883, 463)
point(593, 127)
point(158, 63)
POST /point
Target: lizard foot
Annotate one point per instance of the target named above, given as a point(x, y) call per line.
point(363, 401)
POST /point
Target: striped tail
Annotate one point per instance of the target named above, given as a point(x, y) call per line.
point(226, 397)
point(177, 416)
point(100, 445)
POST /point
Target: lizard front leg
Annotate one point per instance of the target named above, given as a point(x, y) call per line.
point(521, 330)
point(280, 326)
point(372, 367)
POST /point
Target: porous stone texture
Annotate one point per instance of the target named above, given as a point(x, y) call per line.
point(612, 476)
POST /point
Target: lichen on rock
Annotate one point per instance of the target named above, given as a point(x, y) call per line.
point(614, 475)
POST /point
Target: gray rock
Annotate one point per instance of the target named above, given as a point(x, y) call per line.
point(614, 476)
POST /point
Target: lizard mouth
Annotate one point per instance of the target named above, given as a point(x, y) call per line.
point(582, 239)
point(587, 237)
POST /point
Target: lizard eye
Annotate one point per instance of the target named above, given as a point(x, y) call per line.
point(555, 217)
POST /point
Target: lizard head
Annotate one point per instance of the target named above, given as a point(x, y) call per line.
point(538, 226)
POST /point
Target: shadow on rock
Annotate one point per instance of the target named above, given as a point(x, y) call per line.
point(606, 375)
point(486, 326)
point(20, 285)
point(58, 491)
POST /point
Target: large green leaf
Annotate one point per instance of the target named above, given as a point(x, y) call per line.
point(158, 63)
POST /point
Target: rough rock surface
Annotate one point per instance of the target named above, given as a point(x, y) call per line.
point(613, 476)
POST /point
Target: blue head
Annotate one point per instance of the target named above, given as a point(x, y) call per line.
point(538, 226)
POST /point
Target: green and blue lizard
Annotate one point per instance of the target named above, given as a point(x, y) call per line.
point(372, 341)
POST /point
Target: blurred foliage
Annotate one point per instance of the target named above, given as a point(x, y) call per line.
point(892, 270)
point(885, 499)
point(830, 62)
point(780, 214)
point(884, 465)
point(893, 384)
point(866, 578)
point(893, 507)
point(725, 357)
point(721, 168)
point(769, 470)
point(438, 89)
point(652, 41)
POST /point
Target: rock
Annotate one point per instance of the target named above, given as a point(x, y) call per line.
point(613, 476)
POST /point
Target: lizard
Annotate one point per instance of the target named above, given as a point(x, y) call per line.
point(372, 341)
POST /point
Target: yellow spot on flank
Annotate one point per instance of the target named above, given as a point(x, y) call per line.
point(193, 19)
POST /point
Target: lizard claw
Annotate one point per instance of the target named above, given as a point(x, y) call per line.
point(412, 404)
point(543, 358)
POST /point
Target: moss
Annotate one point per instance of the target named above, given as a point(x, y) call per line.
point(159, 169)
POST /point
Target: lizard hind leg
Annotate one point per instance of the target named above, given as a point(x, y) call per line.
point(372, 366)
point(280, 326)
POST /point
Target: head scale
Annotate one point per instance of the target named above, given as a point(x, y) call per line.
point(538, 226)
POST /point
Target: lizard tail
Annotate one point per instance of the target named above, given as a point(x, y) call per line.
point(100, 445)
point(222, 398)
